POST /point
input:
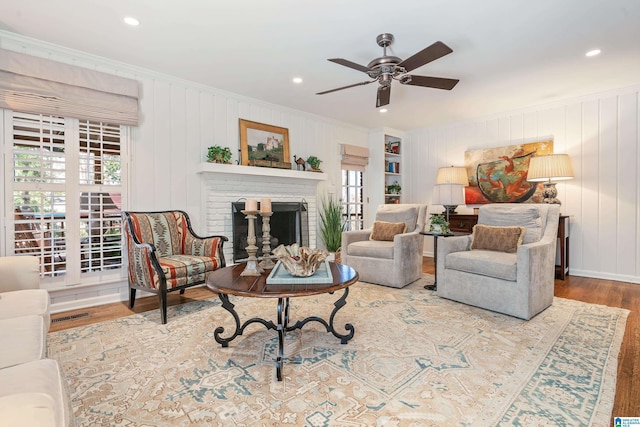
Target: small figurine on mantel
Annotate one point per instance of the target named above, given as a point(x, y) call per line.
point(300, 162)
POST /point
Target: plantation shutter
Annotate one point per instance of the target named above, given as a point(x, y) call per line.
point(100, 196)
point(66, 182)
point(354, 157)
point(39, 164)
point(39, 85)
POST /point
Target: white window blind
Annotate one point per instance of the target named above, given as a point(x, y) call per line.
point(354, 157)
point(40, 85)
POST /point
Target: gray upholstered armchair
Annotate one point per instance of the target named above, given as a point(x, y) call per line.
point(395, 262)
point(518, 283)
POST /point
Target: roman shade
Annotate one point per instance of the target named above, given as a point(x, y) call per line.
point(354, 157)
point(39, 85)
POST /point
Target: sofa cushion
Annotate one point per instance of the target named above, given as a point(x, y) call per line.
point(529, 217)
point(406, 214)
point(19, 272)
point(500, 265)
point(25, 302)
point(371, 249)
point(494, 238)
point(23, 340)
point(34, 394)
point(181, 270)
point(386, 230)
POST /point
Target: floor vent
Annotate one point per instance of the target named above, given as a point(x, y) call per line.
point(72, 317)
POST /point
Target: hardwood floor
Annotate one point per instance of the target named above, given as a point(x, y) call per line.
point(595, 291)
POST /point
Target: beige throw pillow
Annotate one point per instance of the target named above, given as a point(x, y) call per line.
point(397, 213)
point(386, 230)
point(494, 238)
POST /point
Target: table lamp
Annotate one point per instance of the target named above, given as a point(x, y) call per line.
point(453, 175)
point(556, 167)
point(449, 196)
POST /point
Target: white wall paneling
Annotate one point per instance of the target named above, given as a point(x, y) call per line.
point(601, 134)
point(180, 119)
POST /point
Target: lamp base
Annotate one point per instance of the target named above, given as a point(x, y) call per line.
point(550, 193)
point(449, 209)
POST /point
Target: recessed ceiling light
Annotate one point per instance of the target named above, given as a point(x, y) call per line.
point(383, 110)
point(131, 21)
point(593, 52)
point(297, 80)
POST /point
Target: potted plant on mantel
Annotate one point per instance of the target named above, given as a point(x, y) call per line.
point(314, 162)
point(218, 154)
point(331, 225)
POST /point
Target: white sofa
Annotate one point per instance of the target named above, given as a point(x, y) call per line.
point(33, 391)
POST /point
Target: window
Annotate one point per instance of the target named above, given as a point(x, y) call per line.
point(352, 199)
point(66, 187)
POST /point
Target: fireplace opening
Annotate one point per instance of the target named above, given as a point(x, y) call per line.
point(289, 224)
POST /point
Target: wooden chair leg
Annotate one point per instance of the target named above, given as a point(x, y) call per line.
point(132, 297)
point(163, 307)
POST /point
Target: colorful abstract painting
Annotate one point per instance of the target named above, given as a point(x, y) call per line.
point(499, 175)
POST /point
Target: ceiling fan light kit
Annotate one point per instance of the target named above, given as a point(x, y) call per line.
point(387, 68)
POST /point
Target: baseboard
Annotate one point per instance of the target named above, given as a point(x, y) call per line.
point(605, 276)
point(117, 294)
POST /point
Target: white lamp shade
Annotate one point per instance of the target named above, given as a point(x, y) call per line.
point(448, 194)
point(551, 167)
point(453, 175)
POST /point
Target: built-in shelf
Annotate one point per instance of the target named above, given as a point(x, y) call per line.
point(258, 171)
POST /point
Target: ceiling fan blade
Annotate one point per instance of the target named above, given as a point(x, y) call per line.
point(435, 82)
point(345, 87)
point(350, 64)
point(384, 95)
point(426, 55)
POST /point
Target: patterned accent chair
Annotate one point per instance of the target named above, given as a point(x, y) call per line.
point(165, 255)
point(518, 281)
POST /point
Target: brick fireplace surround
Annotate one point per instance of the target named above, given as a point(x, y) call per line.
point(224, 184)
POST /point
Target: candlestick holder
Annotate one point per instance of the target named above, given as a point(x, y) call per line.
point(266, 262)
point(252, 268)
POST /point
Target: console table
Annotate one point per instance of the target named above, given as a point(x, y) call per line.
point(465, 223)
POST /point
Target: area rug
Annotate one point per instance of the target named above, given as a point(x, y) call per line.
point(415, 360)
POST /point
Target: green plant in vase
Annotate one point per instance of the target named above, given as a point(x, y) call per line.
point(394, 188)
point(331, 224)
point(314, 162)
point(439, 225)
point(218, 154)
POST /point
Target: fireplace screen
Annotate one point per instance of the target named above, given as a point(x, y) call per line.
point(289, 224)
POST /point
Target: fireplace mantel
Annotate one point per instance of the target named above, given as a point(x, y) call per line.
point(205, 168)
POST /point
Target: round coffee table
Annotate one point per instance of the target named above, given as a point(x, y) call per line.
point(228, 281)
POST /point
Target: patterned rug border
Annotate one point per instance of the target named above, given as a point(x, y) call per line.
point(512, 412)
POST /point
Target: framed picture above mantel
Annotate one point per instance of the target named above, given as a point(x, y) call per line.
point(264, 145)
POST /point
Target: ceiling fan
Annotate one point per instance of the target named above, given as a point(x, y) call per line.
point(387, 68)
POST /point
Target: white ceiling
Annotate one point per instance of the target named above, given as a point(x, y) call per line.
point(506, 53)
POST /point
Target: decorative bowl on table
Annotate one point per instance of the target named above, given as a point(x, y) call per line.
point(300, 261)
